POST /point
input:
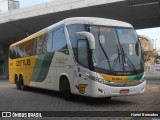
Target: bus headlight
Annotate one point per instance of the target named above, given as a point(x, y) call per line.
point(143, 78)
point(102, 81)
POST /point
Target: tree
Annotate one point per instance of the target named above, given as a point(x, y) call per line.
point(148, 55)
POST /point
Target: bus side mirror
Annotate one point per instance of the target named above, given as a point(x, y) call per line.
point(90, 38)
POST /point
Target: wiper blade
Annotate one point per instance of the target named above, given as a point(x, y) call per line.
point(118, 53)
point(130, 62)
point(118, 58)
point(109, 64)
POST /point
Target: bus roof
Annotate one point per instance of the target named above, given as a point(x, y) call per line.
point(78, 20)
point(96, 21)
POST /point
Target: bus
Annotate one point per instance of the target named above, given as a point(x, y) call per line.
point(88, 56)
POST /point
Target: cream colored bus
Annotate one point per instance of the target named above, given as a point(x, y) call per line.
point(86, 56)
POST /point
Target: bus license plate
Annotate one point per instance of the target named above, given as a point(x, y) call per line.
point(124, 91)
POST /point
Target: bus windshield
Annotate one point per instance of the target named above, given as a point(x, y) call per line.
point(117, 50)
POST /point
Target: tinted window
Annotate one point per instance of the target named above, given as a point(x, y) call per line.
point(23, 50)
point(42, 44)
point(72, 30)
point(131, 48)
point(59, 40)
point(50, 42)
point(83, 52)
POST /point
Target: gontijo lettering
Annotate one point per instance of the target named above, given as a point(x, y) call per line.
point(23, 62)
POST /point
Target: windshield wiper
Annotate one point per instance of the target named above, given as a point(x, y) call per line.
point(118, 58)
point(130, 62)
point(109, 64)
point(118, 54)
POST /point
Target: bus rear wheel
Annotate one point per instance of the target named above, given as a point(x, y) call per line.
point(65, 89)
point(21, 83)
point(17, 83)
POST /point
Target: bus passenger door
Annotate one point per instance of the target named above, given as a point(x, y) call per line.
point(83, 83)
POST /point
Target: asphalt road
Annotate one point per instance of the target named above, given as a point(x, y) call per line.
point(33, 99)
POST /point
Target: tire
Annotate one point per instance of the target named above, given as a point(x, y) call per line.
point(22, 86)
point(17, 83)
point(65, 89)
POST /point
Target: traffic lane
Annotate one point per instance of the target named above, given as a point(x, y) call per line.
point(44, 100)
point(152, 77)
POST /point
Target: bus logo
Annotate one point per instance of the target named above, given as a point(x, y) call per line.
point(81, 88)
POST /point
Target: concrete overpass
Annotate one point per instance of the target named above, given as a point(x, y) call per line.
point(17, 24)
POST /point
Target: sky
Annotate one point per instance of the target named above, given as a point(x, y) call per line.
point(26, 3)
point(153, 33)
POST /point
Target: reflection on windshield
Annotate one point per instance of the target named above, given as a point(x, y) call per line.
point(116, 49)
point(128, 40)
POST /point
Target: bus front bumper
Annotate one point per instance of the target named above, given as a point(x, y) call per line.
point(101, 90)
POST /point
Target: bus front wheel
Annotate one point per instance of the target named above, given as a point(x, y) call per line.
point(65, 89)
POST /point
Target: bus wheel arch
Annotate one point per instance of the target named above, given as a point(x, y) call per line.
point(64, 87)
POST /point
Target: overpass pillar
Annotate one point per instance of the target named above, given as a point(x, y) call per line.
point(4, 52)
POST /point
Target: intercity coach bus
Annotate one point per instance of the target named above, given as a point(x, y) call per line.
point(87, 56)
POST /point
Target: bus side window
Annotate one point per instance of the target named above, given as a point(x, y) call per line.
point(83, 52)
point(59, 41)
point(50, 42)
point(72, 29)
point(41, 45)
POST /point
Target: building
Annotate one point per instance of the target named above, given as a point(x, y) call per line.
point(148, 49)
point(146, 43)
point(7, 5)
point(2, 67)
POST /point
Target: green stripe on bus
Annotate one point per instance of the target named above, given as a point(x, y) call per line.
point(135, 77)
point(42, 66)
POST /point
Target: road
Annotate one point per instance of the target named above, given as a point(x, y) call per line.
point(12, 99)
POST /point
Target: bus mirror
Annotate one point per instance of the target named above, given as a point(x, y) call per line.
point(90, 38)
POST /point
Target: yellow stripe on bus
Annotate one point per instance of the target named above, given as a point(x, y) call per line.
point(115, 78)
